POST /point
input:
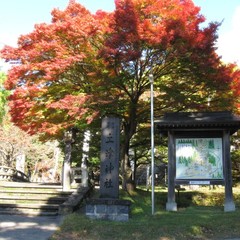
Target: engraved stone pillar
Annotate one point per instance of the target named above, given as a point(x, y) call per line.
point(109, 168)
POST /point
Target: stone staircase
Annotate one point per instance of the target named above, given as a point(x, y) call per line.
point(37, 198)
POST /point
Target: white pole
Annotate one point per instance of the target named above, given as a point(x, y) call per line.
point(152, 141)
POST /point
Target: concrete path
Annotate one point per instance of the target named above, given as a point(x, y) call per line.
point(14, 227)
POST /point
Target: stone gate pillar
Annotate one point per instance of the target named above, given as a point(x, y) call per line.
point(66, 172)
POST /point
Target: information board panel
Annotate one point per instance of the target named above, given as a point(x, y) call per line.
point(199, 158)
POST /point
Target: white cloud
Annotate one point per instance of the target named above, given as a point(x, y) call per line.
point(229, 43)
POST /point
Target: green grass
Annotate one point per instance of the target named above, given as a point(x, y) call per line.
point(200, 215)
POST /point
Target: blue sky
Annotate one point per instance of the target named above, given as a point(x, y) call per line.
point(19, 16)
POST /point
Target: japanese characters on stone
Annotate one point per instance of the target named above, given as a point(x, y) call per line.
point(110, 144)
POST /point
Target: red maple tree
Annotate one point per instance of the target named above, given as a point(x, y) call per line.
point(84, 65)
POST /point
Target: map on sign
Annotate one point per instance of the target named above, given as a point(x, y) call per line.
point(199, 158)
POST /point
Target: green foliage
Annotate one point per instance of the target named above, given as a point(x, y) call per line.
point(195, 219)
point(93, 154)
point(3, 96)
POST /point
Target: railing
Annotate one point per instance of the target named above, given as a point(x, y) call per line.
point(11, 174)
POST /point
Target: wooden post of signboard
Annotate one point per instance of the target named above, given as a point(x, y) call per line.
point(229, 205)
point(171, 203)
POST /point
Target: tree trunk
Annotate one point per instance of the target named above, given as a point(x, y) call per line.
point(129, 128)
point(127, 174)
point(127, 183)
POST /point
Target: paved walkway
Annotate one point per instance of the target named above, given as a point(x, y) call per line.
point(14, 227)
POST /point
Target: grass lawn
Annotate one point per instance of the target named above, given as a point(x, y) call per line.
point(200, 215)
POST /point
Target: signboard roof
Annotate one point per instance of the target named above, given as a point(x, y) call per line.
point(198, 120)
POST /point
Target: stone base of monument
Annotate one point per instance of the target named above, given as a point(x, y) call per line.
point(108, 209)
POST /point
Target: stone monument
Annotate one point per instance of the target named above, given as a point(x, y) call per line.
point(109, 168)
point(108, 206)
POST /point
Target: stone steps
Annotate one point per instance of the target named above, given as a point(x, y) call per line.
point(33, 198)
point(36, 199)
point(22, 192)
point(29, 209)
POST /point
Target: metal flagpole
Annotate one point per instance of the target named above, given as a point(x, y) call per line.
point(152, 141)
